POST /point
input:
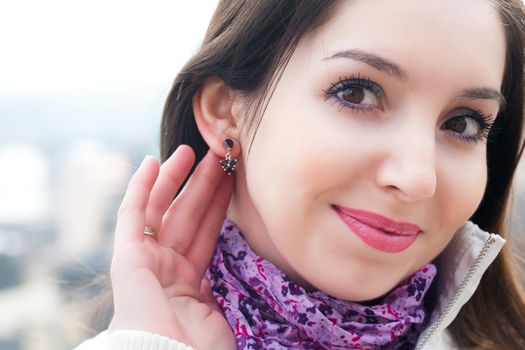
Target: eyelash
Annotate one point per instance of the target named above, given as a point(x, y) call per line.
point(353, 82)
point(483, 120)
point(485, 124)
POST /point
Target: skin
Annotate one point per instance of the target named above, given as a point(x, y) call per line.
point(158, 284)
point(401, 158)
point(394, 160)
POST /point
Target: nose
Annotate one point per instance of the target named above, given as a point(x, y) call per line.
point(408, 169)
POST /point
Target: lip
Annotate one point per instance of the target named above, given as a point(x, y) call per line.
point(378, 231)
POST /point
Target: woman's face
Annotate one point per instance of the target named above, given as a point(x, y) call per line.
point(383, 110)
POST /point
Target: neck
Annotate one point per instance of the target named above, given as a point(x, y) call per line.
point(243, 214)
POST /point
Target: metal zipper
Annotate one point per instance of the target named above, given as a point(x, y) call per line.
point(433, 328)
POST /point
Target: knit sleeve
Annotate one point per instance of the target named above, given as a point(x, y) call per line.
point(131, 340)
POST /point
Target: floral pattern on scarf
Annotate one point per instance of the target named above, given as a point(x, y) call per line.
point(266, 310)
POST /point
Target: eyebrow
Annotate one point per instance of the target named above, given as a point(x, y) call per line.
point(379, 63)
point(386, 66)
point(483, 94)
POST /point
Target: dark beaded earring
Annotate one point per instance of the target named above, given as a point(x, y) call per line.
point(228, 163)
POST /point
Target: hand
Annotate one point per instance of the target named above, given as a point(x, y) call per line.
point(159, 285)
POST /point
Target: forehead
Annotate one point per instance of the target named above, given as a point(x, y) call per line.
point(426, 36)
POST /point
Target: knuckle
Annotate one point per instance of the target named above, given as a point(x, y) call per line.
point(173, 178)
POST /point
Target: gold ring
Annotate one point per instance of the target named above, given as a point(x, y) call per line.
point(150, 232)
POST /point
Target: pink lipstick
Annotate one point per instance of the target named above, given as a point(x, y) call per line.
point(378, 231)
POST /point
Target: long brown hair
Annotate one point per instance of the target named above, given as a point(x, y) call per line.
point(248, 44)
point(495, 316)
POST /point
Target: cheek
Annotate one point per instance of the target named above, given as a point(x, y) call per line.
point(284, 166)
point(298, 158)
point(463, 185)
point(295, 160)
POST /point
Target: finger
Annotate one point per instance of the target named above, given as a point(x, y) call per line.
point(201, 250)
point(182, 219)
point(171, 175)
point(132, 211)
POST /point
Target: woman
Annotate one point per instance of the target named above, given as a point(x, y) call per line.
point(363, 136)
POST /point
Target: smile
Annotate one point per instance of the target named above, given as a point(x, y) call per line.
point(378, 231)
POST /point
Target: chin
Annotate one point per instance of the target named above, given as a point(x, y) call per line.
point(367, 292)
point(360, 297)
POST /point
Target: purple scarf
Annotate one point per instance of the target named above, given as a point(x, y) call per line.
point(266, 310)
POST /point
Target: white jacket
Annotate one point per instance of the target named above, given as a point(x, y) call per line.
point(460, 267)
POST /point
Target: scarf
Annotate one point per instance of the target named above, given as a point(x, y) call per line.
point(266, 310)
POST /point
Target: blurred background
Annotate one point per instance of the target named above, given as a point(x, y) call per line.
point(82, 87)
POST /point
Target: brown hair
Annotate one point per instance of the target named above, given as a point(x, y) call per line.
point(494, 318)
point(248, 44)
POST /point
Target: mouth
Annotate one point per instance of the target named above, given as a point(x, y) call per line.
point(378, 231)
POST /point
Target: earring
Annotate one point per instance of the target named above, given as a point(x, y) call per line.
point(228, 163)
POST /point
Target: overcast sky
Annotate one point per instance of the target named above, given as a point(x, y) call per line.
point(58, 45)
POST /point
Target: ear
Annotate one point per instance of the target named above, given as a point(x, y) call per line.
point(215, 107)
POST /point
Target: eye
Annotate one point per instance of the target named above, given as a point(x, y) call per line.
point(359, 94)
point(469, 126)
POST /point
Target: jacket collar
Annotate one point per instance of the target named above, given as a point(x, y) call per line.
point(460, 268)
